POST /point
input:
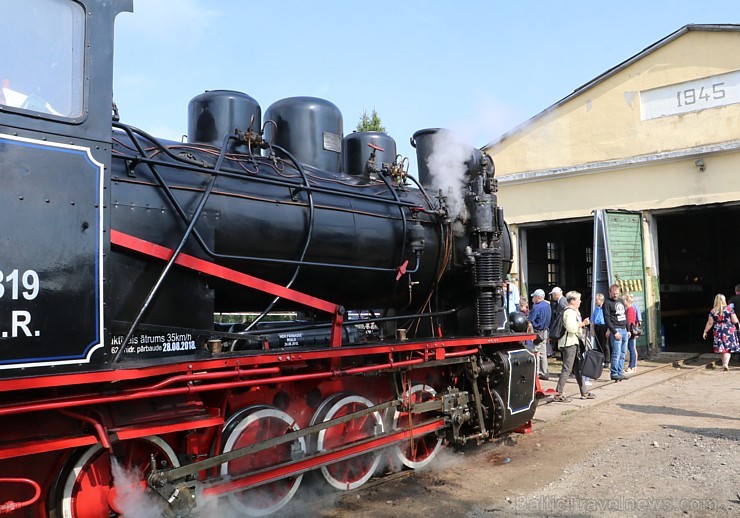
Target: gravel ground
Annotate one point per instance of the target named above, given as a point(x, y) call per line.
point(669, 472)
point(671, 449)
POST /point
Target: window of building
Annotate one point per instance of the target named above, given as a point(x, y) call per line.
point(553, 263)
point(589, 266)
point(43, 56)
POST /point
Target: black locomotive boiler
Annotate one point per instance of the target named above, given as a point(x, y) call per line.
point(365, 326)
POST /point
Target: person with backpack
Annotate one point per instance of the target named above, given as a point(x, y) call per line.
point(570, 344)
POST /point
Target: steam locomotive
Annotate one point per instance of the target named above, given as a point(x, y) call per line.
point(119, 249)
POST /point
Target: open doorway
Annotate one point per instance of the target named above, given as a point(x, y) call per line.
point(560, 254)
point(698, 254)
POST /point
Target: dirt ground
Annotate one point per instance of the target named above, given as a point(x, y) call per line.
point(670, 449)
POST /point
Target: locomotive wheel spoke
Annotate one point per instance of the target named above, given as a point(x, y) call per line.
point(91, 488)
point(351, 473)
point(253, 426)
point(418, 451)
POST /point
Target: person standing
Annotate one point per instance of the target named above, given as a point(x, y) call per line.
point(597, 319)
point(559, 305)
point(540, 316)
point(569, 345)
point(722, 320)
point(632, 320)
point(735, 303)
point(735, 299)
point(615, 316)
point(511, 294)
point(524, 306)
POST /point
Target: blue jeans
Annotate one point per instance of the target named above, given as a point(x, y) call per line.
point(633, 352)
point(619, 350)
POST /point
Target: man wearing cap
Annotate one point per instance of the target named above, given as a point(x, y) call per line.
point(540, 316)
point(560, 304)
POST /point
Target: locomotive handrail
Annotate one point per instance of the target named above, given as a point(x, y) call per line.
point(191, 225)
point(204, 246)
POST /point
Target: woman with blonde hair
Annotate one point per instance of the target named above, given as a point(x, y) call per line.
point(722, 320)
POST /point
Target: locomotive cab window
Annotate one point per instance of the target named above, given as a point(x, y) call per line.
point(41, 60)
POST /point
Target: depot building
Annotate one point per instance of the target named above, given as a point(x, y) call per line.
point(634, 178)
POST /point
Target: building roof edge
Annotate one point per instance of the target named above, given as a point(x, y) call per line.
point(715, 27)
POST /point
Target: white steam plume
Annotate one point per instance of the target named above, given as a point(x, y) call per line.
point(447, 171)
point(132, 499)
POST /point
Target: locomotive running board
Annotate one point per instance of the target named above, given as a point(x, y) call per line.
point(150, 249)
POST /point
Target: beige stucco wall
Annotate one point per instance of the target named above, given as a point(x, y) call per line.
point(594, 151)
point(658, 185)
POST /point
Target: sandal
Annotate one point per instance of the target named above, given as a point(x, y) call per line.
point(588, 395)
point(561, 399)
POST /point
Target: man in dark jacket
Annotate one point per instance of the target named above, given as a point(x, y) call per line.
point(540, 316)
point(558, 306)
point(615, 316)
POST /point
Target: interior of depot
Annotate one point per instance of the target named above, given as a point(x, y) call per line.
point(696, 250)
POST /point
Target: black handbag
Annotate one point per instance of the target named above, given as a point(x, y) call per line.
point(592, 363)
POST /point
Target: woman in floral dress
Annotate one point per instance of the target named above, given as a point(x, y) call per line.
point(722, 319)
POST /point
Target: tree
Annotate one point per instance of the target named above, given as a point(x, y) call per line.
point(370, 122)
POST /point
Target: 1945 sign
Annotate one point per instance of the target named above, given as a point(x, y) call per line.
point(691, 96)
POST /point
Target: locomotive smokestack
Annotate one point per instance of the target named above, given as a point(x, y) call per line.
point(446, 163)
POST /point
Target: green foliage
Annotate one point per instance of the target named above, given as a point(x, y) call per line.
point(370, 122)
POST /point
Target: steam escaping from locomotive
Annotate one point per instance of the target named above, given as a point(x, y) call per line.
point(447, 166)
point(447, 169)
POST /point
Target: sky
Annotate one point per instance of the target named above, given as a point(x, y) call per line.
point(477, 67)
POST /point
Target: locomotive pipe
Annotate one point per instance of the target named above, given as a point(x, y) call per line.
point(467, 352)
point(309, 233)
point(342, 240)
point(235, 173)
point(211, 253)
point(347, 323)
point(192, 389)
point(10, 506)
point(99, 428)
point(171, 261)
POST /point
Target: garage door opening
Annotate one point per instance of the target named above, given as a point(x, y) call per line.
point(560, 254)
point(698, 254)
